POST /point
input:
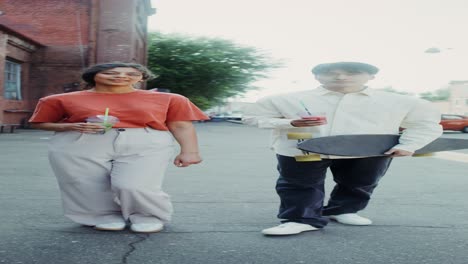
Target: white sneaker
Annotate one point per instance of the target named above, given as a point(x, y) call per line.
point(351, 219)
point(288, 228)
point(117, 226)
point(147, 227)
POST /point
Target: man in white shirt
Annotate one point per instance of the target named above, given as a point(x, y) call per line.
point(349, 108)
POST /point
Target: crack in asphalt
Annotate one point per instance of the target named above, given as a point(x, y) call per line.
point(141, 238)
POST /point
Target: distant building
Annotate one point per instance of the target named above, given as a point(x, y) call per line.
point(45, 44)
point(459, 97)
point(458, 100)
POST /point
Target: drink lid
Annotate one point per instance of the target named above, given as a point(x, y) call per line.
point(100, 118)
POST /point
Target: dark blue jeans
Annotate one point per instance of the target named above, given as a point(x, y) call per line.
point(300, 187)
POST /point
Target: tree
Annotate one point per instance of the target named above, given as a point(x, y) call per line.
point(206, 70)
point(392, 90)
point(438, 95)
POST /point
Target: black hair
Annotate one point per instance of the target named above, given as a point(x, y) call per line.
point(89, 73)
point(345, 66)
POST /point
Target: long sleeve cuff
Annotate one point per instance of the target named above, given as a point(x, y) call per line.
point(409, 148)
point(281, 123)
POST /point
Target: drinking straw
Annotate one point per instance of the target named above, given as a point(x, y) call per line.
point(303, 105)
point(106, 114)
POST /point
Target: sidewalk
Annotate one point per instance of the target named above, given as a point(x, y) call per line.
point(420, 212)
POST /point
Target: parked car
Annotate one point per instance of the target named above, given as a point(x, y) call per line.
point(455, 122)
point(452, 122)
point(226, 117)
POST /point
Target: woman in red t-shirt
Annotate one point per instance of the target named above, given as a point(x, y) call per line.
point(112, 146)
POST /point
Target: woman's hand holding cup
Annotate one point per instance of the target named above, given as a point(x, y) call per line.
point(90, 128)
point(102, 123)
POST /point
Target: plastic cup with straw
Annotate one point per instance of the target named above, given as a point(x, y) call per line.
point(305, 108)
point(105, 120)
point(319, 116)
point(106, 114)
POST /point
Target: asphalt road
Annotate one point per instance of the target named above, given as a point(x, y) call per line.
point(420, 211)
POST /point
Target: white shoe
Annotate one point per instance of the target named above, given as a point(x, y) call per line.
point(117, 226)
point(147, 227)
point(351, 219)
point(288, 228)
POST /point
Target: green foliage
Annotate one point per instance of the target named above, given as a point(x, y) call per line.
point(206, 70)
point(437, 95)
point(392, 90)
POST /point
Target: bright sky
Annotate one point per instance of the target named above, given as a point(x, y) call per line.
point(391, 34)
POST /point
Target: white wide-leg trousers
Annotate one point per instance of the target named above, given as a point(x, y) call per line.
point(115, 176)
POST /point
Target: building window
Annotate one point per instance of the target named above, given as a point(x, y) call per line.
point(12, 89)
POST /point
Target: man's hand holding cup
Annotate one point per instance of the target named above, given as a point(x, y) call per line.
point(310, 119)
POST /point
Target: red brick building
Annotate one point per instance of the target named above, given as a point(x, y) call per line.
point(45, 44)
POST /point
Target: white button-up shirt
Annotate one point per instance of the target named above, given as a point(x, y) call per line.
point(365, 112)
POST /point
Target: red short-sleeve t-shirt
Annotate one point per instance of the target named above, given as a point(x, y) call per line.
point(136, 109)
